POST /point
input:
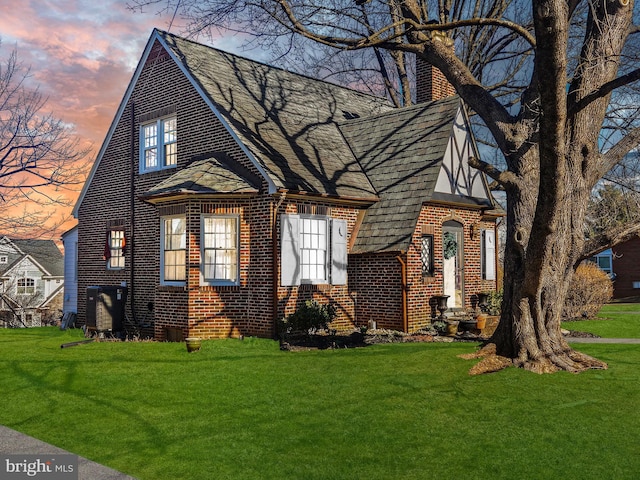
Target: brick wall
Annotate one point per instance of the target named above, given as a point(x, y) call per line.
point(626, 268)
point(112, 199)
point(376, 280)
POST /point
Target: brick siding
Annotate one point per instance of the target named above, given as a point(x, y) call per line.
point(374, 291)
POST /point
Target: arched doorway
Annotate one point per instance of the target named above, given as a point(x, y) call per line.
point(453, 263)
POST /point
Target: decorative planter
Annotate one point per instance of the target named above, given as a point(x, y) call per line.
point(193, 344)
point(481, 321)
point(441, 304)
point(452, 328)
point(467, 325)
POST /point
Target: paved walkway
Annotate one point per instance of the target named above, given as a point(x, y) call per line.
point(16, 443)
point(601, 340)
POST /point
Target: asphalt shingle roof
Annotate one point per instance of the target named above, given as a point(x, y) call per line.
point(210, 176)
point(45, 252)
point(287, 121)
point(401, 152)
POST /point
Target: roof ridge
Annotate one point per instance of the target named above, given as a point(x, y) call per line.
point(267, 65)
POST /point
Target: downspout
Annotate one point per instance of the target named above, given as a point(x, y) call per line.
point(275, 280)
point(133, 214)
point(403, 280)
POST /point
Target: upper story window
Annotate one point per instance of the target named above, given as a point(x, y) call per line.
point(159, 145)
point(220, 250)
point(173, 245)
point(3, 259)
point(26, 286)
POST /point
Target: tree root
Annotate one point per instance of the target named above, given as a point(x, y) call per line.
point(567, 360)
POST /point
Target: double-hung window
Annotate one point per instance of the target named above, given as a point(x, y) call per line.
point(173, 245)
point(313, 250)
point(159, 145)
point(116, 250)
point(219, 239)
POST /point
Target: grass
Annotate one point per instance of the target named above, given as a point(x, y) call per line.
point(615, 320)
point(245, 410)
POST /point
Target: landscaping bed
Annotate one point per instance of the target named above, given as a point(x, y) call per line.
point(355, 339)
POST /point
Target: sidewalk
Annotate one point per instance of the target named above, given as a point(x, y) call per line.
point(601, 340)
point(16, 443)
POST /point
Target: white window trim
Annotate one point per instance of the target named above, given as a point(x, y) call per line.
point(18, 287)
point(327, 258)
point(488, 253)
point(4, 259)
point(159, 123)
point(212, 282)
point(177, 283)
point(290, 251)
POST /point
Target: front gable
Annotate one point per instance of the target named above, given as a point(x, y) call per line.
point(457, 181)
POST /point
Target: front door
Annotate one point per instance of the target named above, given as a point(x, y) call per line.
point(453, 262)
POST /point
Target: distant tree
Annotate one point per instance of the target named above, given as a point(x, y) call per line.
point(556, 103)
point(40, 158)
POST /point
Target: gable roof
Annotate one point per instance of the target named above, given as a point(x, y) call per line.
point(304, 135)
point(286, 123)
point(286, 120)
point(44, 252)
point(401, 152)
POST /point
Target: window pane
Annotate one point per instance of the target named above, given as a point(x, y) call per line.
point(150, 133)
point(175, 249)
point(313, 241)
point(170, 130)
point(220, 245)
point(151, 158)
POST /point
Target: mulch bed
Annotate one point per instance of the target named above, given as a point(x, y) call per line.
point(356, 339)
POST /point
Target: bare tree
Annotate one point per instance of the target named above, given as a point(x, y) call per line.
point(41, 161)
point(561, 121)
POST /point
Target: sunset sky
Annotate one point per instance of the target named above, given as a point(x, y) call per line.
point(82, 54)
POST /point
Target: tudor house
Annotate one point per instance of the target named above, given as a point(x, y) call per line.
point(227, 192)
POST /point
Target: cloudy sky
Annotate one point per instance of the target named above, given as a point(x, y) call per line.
point(82, 54)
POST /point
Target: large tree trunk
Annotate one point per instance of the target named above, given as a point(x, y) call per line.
point(529, 331)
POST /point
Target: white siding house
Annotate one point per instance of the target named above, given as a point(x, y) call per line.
point(70, 242)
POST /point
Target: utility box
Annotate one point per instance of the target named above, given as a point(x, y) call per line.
point(105, 307)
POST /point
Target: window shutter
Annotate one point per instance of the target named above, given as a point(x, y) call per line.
point(488, 255)
point(289, 250)
point(338, 252)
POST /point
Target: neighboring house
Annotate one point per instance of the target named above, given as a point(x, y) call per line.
point(31, 282)
point(228, 192)
point(70, 243)
point(622, 263)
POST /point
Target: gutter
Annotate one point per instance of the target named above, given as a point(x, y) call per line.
point(405, 288)
point(275, 280)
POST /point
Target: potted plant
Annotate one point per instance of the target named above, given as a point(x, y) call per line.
point(193, 344)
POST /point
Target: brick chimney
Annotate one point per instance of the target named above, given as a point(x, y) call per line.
point(431, 84)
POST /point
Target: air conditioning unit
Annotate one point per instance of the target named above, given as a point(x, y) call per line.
point(105, 307)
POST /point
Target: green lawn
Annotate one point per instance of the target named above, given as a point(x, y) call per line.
point(615, 320)
point(245, 410)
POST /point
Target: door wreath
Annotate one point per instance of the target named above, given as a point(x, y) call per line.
point(449, 245)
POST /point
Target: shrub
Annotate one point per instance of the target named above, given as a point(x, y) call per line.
point(590, 289)
point(309, 317)
point(494, 302)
